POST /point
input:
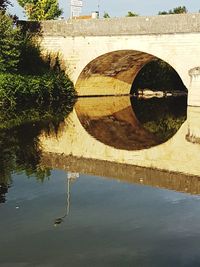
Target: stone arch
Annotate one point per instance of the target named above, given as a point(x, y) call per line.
point(112, 73)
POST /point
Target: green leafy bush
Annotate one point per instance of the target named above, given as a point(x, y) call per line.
point(10, 44)
point(17, 89)
point(25, 76)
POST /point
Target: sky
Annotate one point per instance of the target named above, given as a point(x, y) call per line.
point(119, 8)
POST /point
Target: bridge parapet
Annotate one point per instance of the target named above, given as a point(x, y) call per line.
point(165, 24)
point(194, 90)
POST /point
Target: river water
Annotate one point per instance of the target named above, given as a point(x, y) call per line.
point(64, 203)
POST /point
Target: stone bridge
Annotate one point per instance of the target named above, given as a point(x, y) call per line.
point(103, 56)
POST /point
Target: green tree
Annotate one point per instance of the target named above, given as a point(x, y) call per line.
point(131, 14)
point(41, 9)
point(10, 44)
point(176, 10)
point(106, 15)
point(47, 9)
point(163, 13)
point(4, 4)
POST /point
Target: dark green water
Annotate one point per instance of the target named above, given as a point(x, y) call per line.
point(109, 222)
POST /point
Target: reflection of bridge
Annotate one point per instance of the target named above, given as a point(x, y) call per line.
point(124, 172)
point(179, 154)
point(107, 54)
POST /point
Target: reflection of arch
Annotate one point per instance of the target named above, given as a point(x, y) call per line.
point(112, 121)
point(112, 73)
point(173, 155)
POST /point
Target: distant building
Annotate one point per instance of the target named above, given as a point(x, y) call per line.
point(94, 15)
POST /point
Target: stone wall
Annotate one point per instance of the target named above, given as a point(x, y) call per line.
point(165, 24)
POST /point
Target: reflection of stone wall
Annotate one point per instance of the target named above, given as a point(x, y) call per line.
point(193, 120)
point(101, 106)
point(177, 154)
point(124, 172)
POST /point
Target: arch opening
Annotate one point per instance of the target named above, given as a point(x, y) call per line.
point(132, 121)
point(122, 72)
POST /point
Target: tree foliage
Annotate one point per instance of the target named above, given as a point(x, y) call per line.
point(131, 14)
point(106, 15)
point(176, 10)
point(41, 9)
point(10, 44)
point(4, 4)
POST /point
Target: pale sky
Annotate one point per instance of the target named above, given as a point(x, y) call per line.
point(119, 8)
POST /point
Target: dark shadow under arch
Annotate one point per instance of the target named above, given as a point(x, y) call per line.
point(158, 75)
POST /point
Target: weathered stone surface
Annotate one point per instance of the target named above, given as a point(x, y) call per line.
point(114, 71)
point(180, 23)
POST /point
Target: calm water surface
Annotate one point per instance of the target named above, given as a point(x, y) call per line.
point(109, 223)
point(60, 218)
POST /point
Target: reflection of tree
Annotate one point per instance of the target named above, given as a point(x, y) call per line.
point(165, 127)
point(19, 145)
point(3, 191)
point(20, 152)
point(71, 177)
point(161, 116)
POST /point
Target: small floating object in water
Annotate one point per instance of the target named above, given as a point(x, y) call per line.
point(58, 221)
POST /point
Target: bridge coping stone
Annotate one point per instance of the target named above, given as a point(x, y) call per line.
point(163, 24)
